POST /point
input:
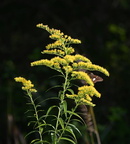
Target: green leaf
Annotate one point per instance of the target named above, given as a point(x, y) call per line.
point(29, 123)
point(38, 106)
point(30, 110)
point(67, 139)
point(45, 116)
point(57, 86)
point(70, 90)
point(31, 116)
point(65, 108)
point(39, 142)
point(73, 113)
point(50, 98)
point(50, 108)
point(40, 111)
point(77, 120)
point(34, 140)
point(35, 131)
point(60, 93)
point(38, 97)
point(75, 128)
point(50, 125)
point(70, 130)
point(29, 103)
point(61, 122)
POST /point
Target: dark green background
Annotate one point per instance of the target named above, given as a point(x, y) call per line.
point(103, 27)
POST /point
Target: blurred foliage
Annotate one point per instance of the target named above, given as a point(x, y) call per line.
point(104, 29)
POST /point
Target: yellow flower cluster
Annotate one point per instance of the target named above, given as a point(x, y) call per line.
point(43, 26)
point(59, 60)
point(76, 58)
point(79, 57)
point(72, 96)
point(54, 63)
point(62, 41)
point(56, 44)
point(42, 62)
point(69, 58)
point(90, 67)
point(68, 69)
point(27, 84)
point(82, 76)
point(56, 66)
point(70, 40)
point(80, 101)
point(69, 50)
point(54, 51)
point(90, 90)
point(84, 95)
point(55, 36)
point(51, 31)
point(86, 102)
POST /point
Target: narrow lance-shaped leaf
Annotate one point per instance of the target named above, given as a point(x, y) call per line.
point(70, 130)
point(65, 108)
point(61, 122)
point(73, 113)
point(72, 125)
point(68, 139)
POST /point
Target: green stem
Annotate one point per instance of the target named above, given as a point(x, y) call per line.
point(68, 121)
point(36, 116)
point(57, 123)
point(65, 86)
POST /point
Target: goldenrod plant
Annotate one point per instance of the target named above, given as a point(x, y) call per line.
point(71, 67)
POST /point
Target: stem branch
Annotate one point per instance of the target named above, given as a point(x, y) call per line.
point(36, 116)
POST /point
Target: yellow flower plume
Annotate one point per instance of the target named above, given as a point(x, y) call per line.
point(82, 76)
point(27, 84)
